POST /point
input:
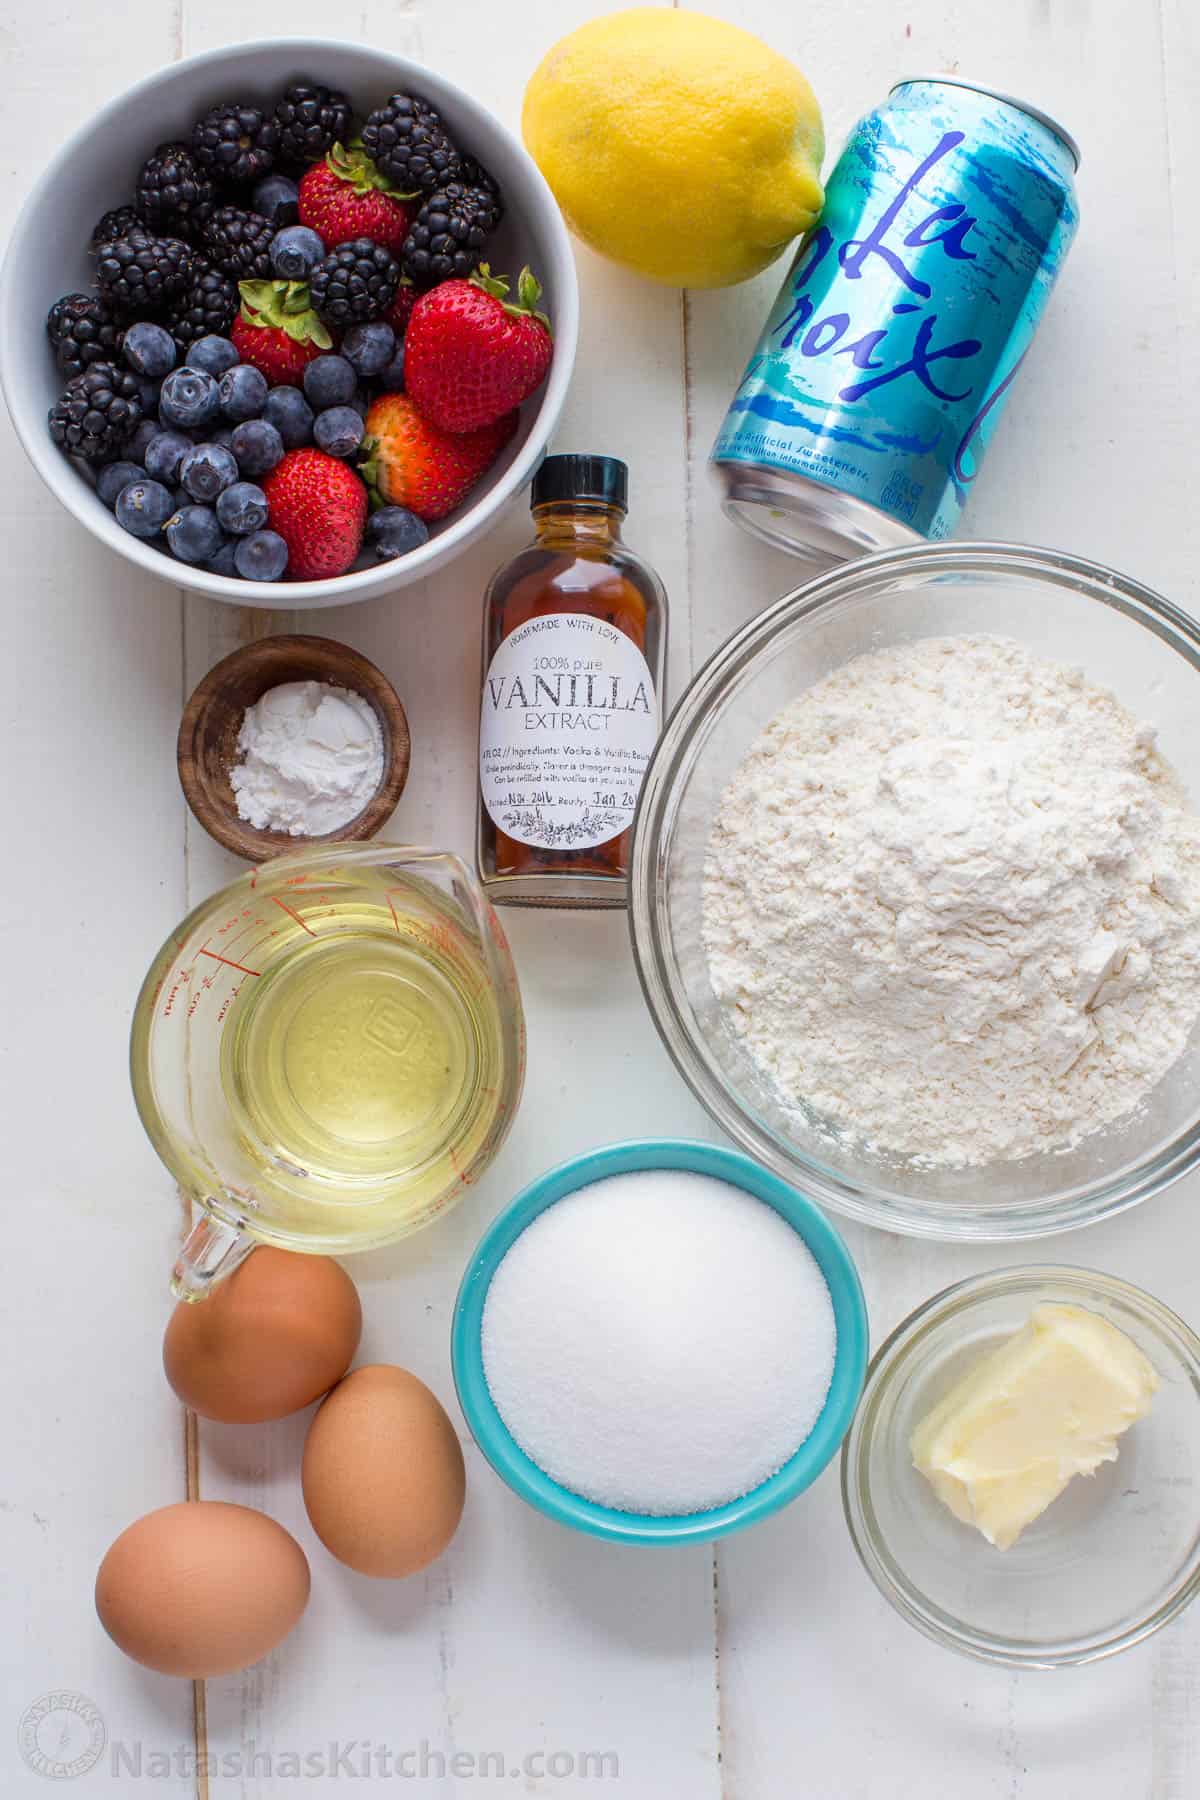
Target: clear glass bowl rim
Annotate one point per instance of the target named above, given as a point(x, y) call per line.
point(672, 759)
point(889, 1363)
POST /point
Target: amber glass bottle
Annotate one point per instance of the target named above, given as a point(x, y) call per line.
point(574, 638)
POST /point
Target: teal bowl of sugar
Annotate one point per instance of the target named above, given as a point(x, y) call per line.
point(645, 1354)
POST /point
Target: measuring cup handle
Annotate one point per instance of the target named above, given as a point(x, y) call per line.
point(210, 1252)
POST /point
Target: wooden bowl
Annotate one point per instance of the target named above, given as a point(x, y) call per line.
point(208, 732)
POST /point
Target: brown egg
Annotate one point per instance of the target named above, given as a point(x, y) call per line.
point(267, 1341)
point(201, 1588)
point(383, 1473)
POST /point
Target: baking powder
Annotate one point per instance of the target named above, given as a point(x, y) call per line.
point(952, 903)
point(312, 757)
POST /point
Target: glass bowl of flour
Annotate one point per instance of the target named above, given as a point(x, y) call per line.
point(915, 896)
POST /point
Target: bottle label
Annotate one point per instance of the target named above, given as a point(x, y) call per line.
point(567, 727)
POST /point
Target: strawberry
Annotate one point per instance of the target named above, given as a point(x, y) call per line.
point(345, 197)
point(277, 330)
point(411, 463)
point(319, 508)
point(470, 355)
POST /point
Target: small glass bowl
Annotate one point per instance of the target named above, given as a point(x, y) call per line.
point(1123, 637)
point(1113, 1558)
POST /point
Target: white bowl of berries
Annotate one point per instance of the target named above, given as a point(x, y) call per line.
point(303, 324)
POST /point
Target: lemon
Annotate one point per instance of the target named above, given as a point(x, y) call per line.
point(677, 144)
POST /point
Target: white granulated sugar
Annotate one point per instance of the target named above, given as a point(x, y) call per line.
point(312, 756)
point(659, 1342)
point(952, 903)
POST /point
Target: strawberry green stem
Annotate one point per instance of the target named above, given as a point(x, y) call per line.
point(529, 292)
point(351, 164)
point(284, 306)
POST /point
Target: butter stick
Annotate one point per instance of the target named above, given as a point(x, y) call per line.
point(1048, 1405)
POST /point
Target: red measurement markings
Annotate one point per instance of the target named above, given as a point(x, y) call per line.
point(230, 923)
point(293, 915)
point(229, 1000)
point(206, 982)
point(240, 926)
point(229, 963)
point(181, 980)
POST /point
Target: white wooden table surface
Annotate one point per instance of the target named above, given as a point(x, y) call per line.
point(769, 1669)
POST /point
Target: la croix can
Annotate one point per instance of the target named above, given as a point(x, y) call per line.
point(867, 406)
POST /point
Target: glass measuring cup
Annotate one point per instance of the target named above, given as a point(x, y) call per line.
point(327, 1053)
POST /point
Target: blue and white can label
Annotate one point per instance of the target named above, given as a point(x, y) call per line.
point(893, 344)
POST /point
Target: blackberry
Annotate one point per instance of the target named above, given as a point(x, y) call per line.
point(475, 175)
point(239, 242)
point(117, 223)
point(207, 308)
point(235, 143)
point(97, 412)
point(355, 282)
point(310, 120)
point(407, 141)
point(448, 233)
point(172, 193)
point(82, 330)
point(139, 274)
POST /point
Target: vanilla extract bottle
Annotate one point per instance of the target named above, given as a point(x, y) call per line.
point(574, 642)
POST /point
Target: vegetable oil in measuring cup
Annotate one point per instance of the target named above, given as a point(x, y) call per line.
point(363, 1057)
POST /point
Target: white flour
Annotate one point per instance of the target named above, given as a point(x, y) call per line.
point(952, 900)
point(312, 756)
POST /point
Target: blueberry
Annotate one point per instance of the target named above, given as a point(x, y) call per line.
point(135, 444)
point(188, 397)
point(242, 508)
point(369, 348)
point(213, 354)
point(277, 199)
point(394, 531)
point(143, 508)
point(391, 379)
point(338, 431)
point(222, 563)
point(148, 391)
point(257, 447)
point(114, 477)
point(164, 453)
point(289, 412)
point(193, 534)
point(149, 349)
point(217, 434)
point(295, 253)
point(206, 470)
point(243, 390)
point(329, 381)
point(261, 557)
